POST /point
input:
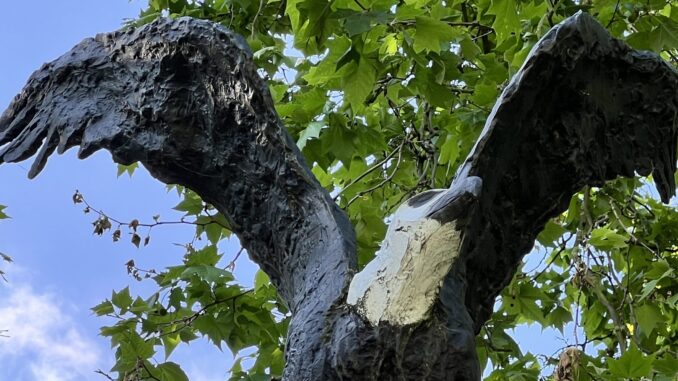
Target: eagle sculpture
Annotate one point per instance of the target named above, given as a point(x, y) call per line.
point(183, 97)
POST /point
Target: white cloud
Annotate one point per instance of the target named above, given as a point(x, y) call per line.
point(45, 342)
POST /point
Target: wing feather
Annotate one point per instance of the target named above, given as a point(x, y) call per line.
point(584, 108)
point(130, 92)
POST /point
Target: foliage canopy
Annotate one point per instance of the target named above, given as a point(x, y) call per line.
point(385, 98)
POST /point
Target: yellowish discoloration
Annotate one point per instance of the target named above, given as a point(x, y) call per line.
point(401, 284)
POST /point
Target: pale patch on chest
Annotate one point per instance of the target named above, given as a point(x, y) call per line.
point(402, 283)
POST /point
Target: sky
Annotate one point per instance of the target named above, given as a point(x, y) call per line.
point(61, 269)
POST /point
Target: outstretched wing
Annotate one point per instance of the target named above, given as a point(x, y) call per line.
point(130, 91)
point(583, 109)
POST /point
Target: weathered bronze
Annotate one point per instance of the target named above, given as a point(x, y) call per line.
point(183, 97)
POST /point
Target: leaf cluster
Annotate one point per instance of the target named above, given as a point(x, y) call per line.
point(385, 98)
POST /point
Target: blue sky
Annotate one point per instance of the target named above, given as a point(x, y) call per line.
point(61, 269)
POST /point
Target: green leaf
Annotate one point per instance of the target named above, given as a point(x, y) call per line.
point(172, 273)
point(632, 364)
point(305, 105)
point(140, 305)
point(552, 231)
point(469, 49)
point(359, 83)
point(362, 22)
point(338, 140)
point(208, 255)
point(103, 308)
point(207, 273)
point(485, 94)
point(430, 33)
point(261, 280)
point(292, 11)
point(506, 23)
point(127, 168)
point(606, 239)
point(119, 329)
point(558, 318)
point(326, 70)
point(312, 131)
point(191, 204)
point(390, 45)
point(523, 302)
point(655, 32)
point(2, 214)
point(216, 332)
point(425, 84)
point(122, 299)
point(134, 347)
point(667, 366)
point(170, 340)
point(176, 297)
point(649, 318)
point(170, 371)
point(351, 55)
point(667, 31)
point(449, 151)
point(214, 232)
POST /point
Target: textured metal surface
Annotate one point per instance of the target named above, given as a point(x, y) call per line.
point(183, 97)
point(584, 108)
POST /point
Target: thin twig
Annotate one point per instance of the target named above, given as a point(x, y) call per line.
point(616, 9)
point(188, 320)
point(635, 239)
point(467, 24)
point(619, 328)
point(482, 35)
point(369, 170)
point(143, 364)
point(563, 246)
point(231, 264)
point(256, 16)
point(101, 372)
point(382, 183)
point(490, 344)
point(79, 198)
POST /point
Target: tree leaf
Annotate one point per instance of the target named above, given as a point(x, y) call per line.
point(430, 33)
point(122, 299)
point(170, 371)
point(207, 273)
point(312, 131)
point(359, 83)
point(449, 151)
point(649, 318)
point(632, 364)
point(667, 366)
point(552, 231)
point(191, 204)
point(261, 280)
point(103, 308)
point(127, 168)
point(605, 239)
point(2, 214)
point(506, 23)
